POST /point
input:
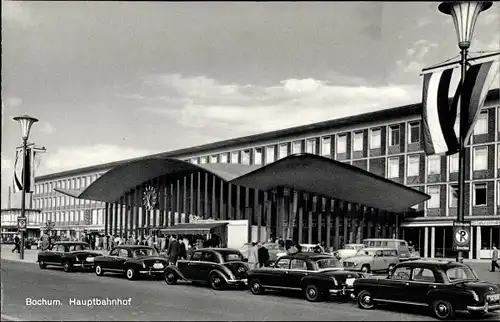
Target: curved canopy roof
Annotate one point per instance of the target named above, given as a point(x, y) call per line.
point(304, 172)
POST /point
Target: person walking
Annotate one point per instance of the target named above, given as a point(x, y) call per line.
point(253, 256)
point(494, 259)
point(16, 244)
point(263, 255)
point(174, 249)
point(183, 251)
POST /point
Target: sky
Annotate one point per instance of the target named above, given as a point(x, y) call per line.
point(115, 80)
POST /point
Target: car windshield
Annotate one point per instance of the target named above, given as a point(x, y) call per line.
point(141, 252)
point(232, 257)
point(364, 252)
point(78, 247)
point(461, 273)
point(328, 263)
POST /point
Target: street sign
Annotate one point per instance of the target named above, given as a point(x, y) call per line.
point(22, 223)
point(461, 236)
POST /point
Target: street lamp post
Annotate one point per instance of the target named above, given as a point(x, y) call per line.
point(464, 14)
point(26, 122)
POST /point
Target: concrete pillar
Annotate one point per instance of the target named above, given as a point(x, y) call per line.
point(301, 224)
point(478, 242)
point(433, 242)
point(336, 235)
point(471, 246)
point(426, 242)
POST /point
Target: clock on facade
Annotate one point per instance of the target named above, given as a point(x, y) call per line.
point(150, 198)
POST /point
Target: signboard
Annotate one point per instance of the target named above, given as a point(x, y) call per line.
point(22, 223)
point(461, 236)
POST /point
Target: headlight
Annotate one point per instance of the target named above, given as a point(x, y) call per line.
point(144, 265)
point(356, 264)
point(476, 297)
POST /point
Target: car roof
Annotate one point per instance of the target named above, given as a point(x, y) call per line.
point(307, 255)
point(70, 243)
point(444, 264)
point(354, 245)
point(220, 250)
point(133, 246)
point(378, 248)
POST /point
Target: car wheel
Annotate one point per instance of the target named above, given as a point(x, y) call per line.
point(42, 265)
point(365, 300)
point(442, 309)
point(170, 278)
point(365, 268)
point(255, 287)
point(313, 293)
point(67, 267)
point(130, 274)
point(216, 282)
point(99, 271)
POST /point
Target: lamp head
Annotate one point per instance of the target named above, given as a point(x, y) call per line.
point(26, 122)
point(464, 14)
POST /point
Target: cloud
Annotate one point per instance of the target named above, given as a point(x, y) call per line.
point(47, 128)
point(414, 60)
point(19, 13)
point(73, 157)
point(208, 105)
point(11, 102)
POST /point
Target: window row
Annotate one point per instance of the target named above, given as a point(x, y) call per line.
point(74, 217)
point(63, 201)
point(479, 195)
point(71, 183)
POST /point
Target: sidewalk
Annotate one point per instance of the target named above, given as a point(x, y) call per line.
point(30, 255)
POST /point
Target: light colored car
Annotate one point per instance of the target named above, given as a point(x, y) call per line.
point(349, 250)
point(307, 248)
point(399, 244)
point(372, 259)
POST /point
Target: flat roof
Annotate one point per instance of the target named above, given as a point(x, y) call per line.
point(390, 113)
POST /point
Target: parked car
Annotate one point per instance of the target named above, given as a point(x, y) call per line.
point(306, 248)
point(131, 260)
point(317, 275)
point(349, 250)
point(219, 267)
point(372, 259)
point(442, 286)
point(69, 255)
point(399, 244)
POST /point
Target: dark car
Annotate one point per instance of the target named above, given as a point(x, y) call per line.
point(317, 275)
point(219, 267)
point(131, 260)
point(443, 286)
point(69, 255)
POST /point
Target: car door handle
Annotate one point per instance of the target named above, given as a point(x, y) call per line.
point(407, 284)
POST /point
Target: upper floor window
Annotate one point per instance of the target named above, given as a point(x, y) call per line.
point(453, 161)
point(296, 147)
point(257, 156)
point(393, 167)
point(311, 146)
point(413, 165)
point(224, 158)
point(434, 164)
point(375, 139)
point(414, 132)
point(435, 193)
point(214, 159)
point(453, 195)
point(394, 135)
point(342, 143)
point(480, 158)
point(270, 150)
point(326, 146)
point(358, 141)
point(203, 160)
point(480, 194)
point(245, 157)
point(235, 157)
point(481, 126)
point(283, 150)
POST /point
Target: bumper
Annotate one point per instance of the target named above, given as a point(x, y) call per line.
point(237, 282)
point(84, 265)
point(484, 308)
point(343, 291)
point(152, 272)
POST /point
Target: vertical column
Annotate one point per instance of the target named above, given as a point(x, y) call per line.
point(121, 216)
point(238, 203)
point(161, 202)
point(171, 204)
point(337, 224)
point(177, 216)
point(300, 198)
point(106, 218)
point(320, 226)
point(191, 196)
point(214, 198)
point(199, 211)
point(282, 213)
point(137, 198)
point(426, 242)
point(328, 223)
point(157, 209)
point(184, 200)
point(115, 229)
point(310, 214)
point(346, 224)
point(478, 242)
point(131, 211)
point(262, 208)
point(257, 213)
point(471, 245)
point(248, 215)
point(222, 203)
point(267, 210)
point(230, 214)
point(433, 242)
point(205, 206)
point(127, 214)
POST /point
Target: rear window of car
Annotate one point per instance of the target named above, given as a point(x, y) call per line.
point(232, 257)
point(390, 253)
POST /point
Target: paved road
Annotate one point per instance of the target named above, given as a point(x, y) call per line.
point(154, 300)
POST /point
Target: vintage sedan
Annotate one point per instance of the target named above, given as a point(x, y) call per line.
point(317, 275)
point(372, 259)
point(442, 286)
point(69, 255)
point(219, 267)
point(349, 250)
point(131, 260)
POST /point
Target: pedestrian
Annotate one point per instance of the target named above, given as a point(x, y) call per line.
point(183, 251)
point(173, 251)
point(281, 243)
point(290, 247)
point(263, 255)
point(494, 258)
point(16, 244)
point(253, 256)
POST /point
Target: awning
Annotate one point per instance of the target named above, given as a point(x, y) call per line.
point(192, 229)
point(329, 178)
point(112, 185)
